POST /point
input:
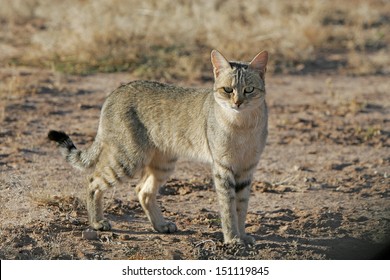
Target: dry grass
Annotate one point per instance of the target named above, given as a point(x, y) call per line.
point(172, 39)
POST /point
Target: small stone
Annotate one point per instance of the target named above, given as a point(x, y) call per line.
point(210, 216)
point(283, 229)
point(309, 180)
point(297, 168)
point(124, 237)
point(90, 234)
point(174, 254)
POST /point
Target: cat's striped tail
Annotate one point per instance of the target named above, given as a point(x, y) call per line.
point(80, 159)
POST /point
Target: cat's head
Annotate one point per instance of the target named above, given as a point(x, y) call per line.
point(239, 86)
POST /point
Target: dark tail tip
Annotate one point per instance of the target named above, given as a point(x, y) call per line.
point(62, 139)
point(57, 136)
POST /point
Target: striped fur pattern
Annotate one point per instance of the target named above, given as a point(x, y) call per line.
point(145, 126)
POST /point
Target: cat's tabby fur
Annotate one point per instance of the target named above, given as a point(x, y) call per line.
point(145, 126)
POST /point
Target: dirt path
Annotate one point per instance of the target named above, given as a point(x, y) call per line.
point(321, 192)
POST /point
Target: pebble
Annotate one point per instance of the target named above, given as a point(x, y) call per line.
point(174, 254)
point(90, 234)
point(124, 237)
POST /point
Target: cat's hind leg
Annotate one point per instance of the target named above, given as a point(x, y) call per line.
point(111, 168)
point(95, 191)
point(154, 176)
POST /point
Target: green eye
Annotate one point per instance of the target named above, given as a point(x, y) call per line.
point(227, 89)
point(249, 89)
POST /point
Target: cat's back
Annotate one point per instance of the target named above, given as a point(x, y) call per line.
point(154, 100)
point(173, 117)
point(152, 90)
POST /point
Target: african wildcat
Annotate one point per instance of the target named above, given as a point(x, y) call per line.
point(145, 126)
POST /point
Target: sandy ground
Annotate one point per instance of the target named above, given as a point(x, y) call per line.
point(321, 190)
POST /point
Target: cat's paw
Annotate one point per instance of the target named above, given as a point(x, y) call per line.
point(103, 225)
point(166, 227)
point(234, 241)
point(247, 239)
point(243, 240)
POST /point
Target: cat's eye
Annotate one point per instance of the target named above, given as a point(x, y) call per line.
point(249, 89)
point(227, 89)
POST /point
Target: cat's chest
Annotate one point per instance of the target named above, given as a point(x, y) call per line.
point(238, 142)
point(243, 146)
point(240, 149)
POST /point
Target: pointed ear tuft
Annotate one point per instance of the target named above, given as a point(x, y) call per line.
point(259, 63)
point(219, 62)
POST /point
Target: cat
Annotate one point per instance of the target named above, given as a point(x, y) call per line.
point(145, 126)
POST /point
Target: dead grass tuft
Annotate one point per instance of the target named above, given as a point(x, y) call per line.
point(172, 40)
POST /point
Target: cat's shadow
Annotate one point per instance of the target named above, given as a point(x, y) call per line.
point(143, 225)
point(151, 232)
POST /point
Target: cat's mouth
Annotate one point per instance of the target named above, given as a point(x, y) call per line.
point(232, 107)
point(237, 109)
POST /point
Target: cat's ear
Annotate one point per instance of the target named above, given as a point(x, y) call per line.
point(259, 63)
point(219, 62)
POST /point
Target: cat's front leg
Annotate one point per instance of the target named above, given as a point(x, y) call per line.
point(242, 199)
point(225, 188)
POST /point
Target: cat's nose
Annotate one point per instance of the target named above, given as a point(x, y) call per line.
point(238, 103)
